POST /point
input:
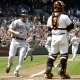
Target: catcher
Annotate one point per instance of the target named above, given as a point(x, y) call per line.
point(59, 23)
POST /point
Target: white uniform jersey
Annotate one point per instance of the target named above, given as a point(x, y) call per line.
point(20, 26)
point(59, 40)
point(48, 41)
point(71, 36)
point(33, 43)
point(63, 22)
point(75, 40)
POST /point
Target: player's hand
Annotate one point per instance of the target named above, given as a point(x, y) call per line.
point(18, 33)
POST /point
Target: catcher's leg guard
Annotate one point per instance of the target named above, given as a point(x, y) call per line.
point(49, 66)
point(50, 62)
point(62, 67)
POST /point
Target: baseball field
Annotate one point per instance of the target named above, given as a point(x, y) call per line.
point(34, 70)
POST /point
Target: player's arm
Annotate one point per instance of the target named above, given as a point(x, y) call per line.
point(12, 28)
point(69, 23)
point(72, 41)
point(14, 32)
point(29, 40)
point(49, 24)
point(70, 26)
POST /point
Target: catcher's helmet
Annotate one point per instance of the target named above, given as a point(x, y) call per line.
point(58, 6)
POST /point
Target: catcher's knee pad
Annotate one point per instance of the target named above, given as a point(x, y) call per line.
point(53, 56)
point(65, 56)
point(63, 64)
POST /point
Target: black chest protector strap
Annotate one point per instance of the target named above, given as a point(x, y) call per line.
point(55, 18)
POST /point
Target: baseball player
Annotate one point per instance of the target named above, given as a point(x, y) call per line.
point(32, 44)
point(48, 42)
point(75, 43)
point(18, 29)
point(60, 24)
point(71, 34)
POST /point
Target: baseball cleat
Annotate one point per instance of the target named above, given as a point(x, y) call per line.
point(7, 69)
point(65, 76)
point(48, 75)
point(24, 58)
point(31, 59)
point(16, 74)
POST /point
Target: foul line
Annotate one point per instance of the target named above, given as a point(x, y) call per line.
point(37, 74)
point(40, 72)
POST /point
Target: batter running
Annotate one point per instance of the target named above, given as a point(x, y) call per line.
point(18, 29)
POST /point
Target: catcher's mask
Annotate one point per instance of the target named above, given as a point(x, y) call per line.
point(58, 6)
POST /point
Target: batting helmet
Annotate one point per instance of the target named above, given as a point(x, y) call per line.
point(58, 6)
point(23, 13)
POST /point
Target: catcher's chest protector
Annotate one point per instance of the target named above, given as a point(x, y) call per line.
point(55, 18)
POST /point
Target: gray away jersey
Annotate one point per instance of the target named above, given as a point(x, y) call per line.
point(33, 43)
point(20, 26)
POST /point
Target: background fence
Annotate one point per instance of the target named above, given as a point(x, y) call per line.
point(39, 51)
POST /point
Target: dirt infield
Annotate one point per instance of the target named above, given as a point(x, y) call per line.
point(34, 73)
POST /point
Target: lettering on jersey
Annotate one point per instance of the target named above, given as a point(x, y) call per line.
point(20, 27)
point(26, 28)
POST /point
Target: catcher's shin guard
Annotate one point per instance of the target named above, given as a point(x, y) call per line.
point(62, 67)
point(49, 66)
point(50, 62)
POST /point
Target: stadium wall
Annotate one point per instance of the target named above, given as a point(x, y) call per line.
point(39, 51)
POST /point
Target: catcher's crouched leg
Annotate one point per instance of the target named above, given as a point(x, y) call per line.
point(62, 66)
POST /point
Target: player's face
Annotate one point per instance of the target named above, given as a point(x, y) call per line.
point(24, 18)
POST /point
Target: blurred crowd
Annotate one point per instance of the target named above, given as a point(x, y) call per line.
point(11, 12)
point(14, 9)
point(37, 27)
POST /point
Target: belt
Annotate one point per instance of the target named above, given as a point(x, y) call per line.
point(59, 28)
point(19, 38)
point(59, 34)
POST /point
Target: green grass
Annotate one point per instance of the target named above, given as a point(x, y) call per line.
point(27, 63)
point(73, 67)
